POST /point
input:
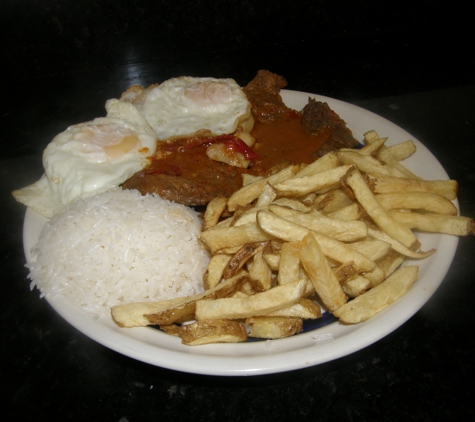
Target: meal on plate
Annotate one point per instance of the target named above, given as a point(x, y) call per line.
point(296, 220)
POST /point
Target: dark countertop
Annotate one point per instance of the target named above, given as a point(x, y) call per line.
point(424, 370)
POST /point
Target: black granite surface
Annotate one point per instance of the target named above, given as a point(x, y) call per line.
point(405, 61)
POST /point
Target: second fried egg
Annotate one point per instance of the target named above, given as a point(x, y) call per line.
point(188, 105)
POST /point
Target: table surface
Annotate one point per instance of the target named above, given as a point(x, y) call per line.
point(422, 371)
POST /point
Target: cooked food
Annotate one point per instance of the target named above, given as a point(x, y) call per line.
point(187, 176)
point(297, 252)
point(194, 170)
point(318, 118)
point(89, 158)
point(119, 246)
point(297, 222)
point(190, 106)
point(380, 297)
point(264, 94)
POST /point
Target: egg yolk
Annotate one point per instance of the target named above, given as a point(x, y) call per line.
point(208, 94)
point(115, 141)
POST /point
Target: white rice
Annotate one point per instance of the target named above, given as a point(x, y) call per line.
point(119, 247)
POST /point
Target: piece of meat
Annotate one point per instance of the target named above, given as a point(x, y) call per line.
point(194, 181)
point(191, 192)
point(318, 117)
point(263, 92)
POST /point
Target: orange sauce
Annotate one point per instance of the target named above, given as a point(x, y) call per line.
point(285, 139)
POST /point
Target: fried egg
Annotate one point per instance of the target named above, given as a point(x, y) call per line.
point(90, 158)
point(186, 106)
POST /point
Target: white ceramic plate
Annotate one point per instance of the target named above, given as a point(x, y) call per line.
point(310, 348)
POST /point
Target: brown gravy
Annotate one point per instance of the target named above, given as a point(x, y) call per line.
point(285, 140)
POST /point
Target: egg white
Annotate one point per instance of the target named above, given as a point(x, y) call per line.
point(186, 105)
point(90, 158)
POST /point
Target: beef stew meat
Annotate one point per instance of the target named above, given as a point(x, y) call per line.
point(318, 117)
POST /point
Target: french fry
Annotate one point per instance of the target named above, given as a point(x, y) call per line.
point(234, 236)
point(271, 254)
point(259, 304)
point(375, 276)
point(273, 261)
point(402, 150)
point(398, 246)
point(215, 269)
point(228, 222)
point(304, 308)
point(137, 314)
point(345, 272)
point(370, 136)
point(371, 148)
point(250, 192)
point(289, 264)
point(260, 274)
point(247, 178)
point(323, 279)
point(436, 223)
point(368, 163)
point(172, 329)
point(391, 262)
point(384, 154)
point(378, 298)
point(342, 230)
point(266, 197)
point(247, 216)
point(213, 331)
point(240, 258)
point(374, 209)
point(213, 212)
point(299, 186)
point(385, 184)
point(374, 249)
point(326, 162)
point(272, 327)
point(425, 201)
point(293, 204)
point(333, 201)
point(350, 212)
point(356, 286)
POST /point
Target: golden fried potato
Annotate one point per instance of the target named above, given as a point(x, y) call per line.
point(214, 211)
point(258, 304)
point(233, 236)
point(426, 201)
point(214, 272)
point(274, 327)
point(322, 277)
point(140, 314)
point(378, 298)
point(374, 209)
point(304, 308)
point(379, 183)
point(436, 223)
point(212, 331)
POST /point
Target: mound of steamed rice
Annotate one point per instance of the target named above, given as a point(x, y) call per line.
point(119, 247)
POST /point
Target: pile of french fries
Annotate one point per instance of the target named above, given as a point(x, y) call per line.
point(327, 236)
